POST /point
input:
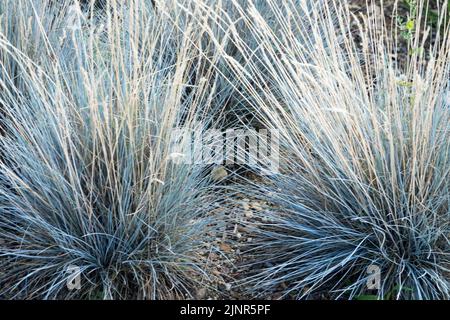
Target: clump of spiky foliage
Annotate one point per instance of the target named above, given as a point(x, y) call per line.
point(31, 36)
point(365, 156)
point(224, 18)
point(87, 178)
point(25, 34)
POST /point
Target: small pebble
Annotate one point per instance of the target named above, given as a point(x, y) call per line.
point(219, 173)
point(256, 206)
point(201, 293)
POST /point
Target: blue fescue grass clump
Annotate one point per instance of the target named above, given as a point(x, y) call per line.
point(87, 179)
point(365, 154)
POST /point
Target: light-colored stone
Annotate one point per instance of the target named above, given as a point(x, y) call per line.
point(219, 173)
point(257, 206)
point(201, 293)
